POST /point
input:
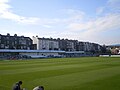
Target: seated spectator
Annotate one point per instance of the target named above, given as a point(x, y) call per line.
point(39, 88)
point(17, 86)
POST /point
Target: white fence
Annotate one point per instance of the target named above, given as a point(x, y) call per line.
point(109, 55)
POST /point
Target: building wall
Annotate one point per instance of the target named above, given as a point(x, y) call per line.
point(43, 44)
point(89, 47)
point(46, 43)
point(15, 42)
point(65, 45)
point(36, 42)
point(21, 42)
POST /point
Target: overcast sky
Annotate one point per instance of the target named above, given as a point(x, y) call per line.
point(84, 20)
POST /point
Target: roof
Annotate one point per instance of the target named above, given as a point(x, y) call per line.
point(75, 52)
point(38, 51)
point(32, 51)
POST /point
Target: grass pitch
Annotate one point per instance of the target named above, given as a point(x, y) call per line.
point(90, 73)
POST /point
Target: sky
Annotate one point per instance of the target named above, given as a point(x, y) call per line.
point(96, 21)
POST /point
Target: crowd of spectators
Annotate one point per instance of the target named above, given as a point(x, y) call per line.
point(14, 57)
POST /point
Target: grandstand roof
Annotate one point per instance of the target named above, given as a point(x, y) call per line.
point(32, 51)
point(75, 52)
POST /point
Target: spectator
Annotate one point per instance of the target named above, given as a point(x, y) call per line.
point(17, 86)
point(39, 88)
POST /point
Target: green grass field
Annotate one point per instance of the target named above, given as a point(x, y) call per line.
point(87, 73)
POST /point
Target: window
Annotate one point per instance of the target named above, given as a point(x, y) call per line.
point(7, 37)
point(15, 42)
point(7, 42)
point(2, 45)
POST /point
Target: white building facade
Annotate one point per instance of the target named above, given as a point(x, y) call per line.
point(46, 43)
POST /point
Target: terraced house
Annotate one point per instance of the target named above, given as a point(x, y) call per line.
point(36, 43)
point(65, 45)
point(15, 42)
point(46, 43)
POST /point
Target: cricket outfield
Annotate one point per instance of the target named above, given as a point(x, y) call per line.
point(86, 73)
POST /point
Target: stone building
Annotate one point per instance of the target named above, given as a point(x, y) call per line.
point(15, 42)
point(67, 45)
point(64, 45)
point(46, 43)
